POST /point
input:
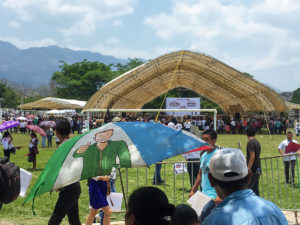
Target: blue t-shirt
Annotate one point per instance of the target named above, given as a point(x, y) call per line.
point(207, 189)
point(245, 208)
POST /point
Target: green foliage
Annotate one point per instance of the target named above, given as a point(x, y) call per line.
point(248, 74)
point(81, 80)
point(296, 96)
point(31, 99)
point(8, 95)
point(133, 63)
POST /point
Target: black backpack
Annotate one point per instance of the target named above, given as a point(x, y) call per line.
point(9, 181)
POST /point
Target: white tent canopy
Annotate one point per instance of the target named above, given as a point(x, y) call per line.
point(63, 111)
point(54, 103)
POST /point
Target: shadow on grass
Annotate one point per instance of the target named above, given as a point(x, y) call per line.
point(30, 169)
point(184, 189)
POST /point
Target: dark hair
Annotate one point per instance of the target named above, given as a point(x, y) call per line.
point(184, 215)
point(34, 134)
point(250, 131)
point(150, 206)
point(236, 184)
point(6, 134)
point(289, 132)
point(212, 133)
point(63, 127)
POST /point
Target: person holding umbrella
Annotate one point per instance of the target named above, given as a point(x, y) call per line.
point(67, 202)
point(33, 150)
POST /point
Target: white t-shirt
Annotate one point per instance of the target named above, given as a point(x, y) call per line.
point(171, 124)
point(283, 145)
point(233, 123)
point(5, 143)
point(187, 124)
point(178, 126)
point(30, 144)
point(297, 128)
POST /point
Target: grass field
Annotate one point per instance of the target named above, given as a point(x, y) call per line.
point(272, 185)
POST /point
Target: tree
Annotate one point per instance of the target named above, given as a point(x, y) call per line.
point(296, 96)
point(81, 80)
point(8, 95)
point(133, 63)
point(248, 74)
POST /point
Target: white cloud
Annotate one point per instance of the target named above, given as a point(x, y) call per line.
point(117, 23)
point(120, 51)
point(217, 28)
point(24, 44)
point(113, 41)
point(81, 17)
point(14, 24)
point(20, 7)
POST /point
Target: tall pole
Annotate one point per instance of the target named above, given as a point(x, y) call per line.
point(215, 120)
point(22, 113)
point(1, 110)
point(88, 121)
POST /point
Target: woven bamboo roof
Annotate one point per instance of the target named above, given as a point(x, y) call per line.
point(292, 106)
point(53, 103)
point(229, 88)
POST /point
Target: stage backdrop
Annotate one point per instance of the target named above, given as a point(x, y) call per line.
point(183, 103)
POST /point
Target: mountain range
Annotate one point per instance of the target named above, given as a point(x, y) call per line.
point(35, 66)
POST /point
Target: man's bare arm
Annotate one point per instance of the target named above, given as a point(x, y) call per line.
point(196, 184)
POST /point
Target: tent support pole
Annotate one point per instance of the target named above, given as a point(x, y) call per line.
point(215, 120)
point(88, 121)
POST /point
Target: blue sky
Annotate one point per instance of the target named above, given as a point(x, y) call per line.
point(261, 37)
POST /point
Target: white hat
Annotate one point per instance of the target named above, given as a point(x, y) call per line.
point(228, 164)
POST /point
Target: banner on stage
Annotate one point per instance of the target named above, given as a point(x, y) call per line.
point(183, 103)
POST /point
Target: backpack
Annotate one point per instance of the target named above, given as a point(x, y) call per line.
point(10, 184)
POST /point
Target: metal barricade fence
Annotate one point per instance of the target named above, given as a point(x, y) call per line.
point(272, 183)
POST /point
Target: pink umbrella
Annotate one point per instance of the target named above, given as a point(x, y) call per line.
point(30, 116)
point(36, 129)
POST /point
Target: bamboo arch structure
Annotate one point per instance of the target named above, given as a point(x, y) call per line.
point(232, 90)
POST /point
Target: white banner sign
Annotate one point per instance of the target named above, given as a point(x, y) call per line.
point(183, 103)
point(180, 168)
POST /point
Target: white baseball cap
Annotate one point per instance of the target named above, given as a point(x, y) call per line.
point(228, 164)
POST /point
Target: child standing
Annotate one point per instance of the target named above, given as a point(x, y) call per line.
point(98, 190)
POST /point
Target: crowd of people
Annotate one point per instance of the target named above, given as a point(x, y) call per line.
point(224, 175)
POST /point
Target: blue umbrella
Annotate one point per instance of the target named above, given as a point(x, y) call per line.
point(8, 124)
point(94, 153)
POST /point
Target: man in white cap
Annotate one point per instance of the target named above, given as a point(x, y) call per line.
point(230, 176)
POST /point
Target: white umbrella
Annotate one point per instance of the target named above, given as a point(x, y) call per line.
point(21, 118)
